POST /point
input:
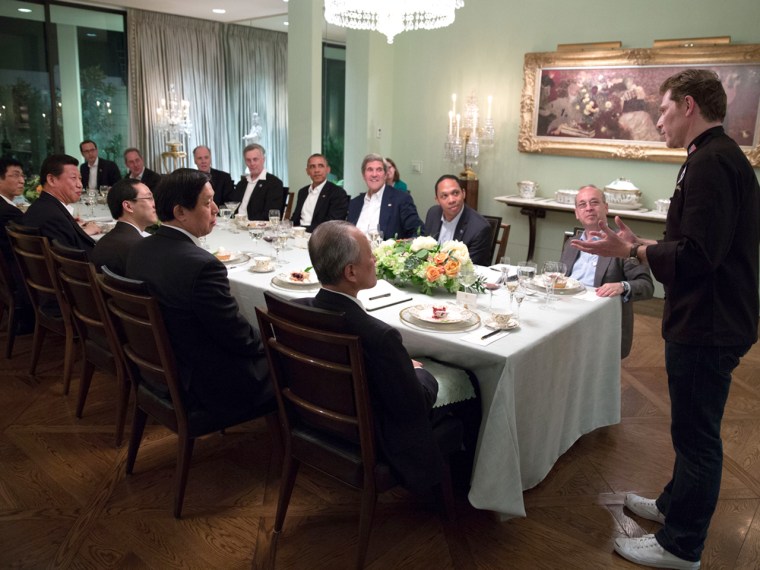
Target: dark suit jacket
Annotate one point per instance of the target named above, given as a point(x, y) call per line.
point(55, 222)
point(332, 204)
point(473, 230)
point(108, 173)
point(8, 213)
point(612, 270)
point(223, 186)
point(113, 248)
point(220, 357)
point(149, 178)
point(267, 195)
point(401, 396)
point(398, 214)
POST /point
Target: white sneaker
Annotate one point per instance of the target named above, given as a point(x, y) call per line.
point(648, 552)
point(645, 508)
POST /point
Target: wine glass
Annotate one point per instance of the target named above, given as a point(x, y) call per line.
point(232, 206)
point(286, 227)
point(224, 216)
point(274, 217)
point(551, 271)
point(255, 233)
point(526, 271)
point(519, 297)
point(512, 284)
point(467, 278)
point(91, 199)
point(278, 242)
point(375, 237)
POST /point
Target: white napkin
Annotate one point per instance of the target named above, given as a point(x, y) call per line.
point(383, 294)
point(453, 383)
point(588, 295)
point(476, 337)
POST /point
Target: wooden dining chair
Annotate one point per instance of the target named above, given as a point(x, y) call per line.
point(287, 207)
point(499, 237)
point(51, 308)
point(152, 368)
point(8, 301)
point(323, 398)
point(100, 347)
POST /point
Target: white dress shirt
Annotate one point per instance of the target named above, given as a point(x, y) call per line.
point(307, 211)
point(249, 190)
point(448, 229)
point(369, 219)
point(93, 178)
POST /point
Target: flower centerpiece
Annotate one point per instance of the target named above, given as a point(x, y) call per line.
point(424, 263)
point(32, 188)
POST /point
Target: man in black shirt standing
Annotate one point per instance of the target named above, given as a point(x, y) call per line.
point(708, 264)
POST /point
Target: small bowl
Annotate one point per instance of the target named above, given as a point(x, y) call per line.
point(566, 196)
point(661, 206)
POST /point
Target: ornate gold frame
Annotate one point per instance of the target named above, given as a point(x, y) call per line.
point(529, 141)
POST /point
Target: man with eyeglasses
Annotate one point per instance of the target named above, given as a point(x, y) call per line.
point(96, 171)
point(612, 277)
point(132, 206)
point(11, 185)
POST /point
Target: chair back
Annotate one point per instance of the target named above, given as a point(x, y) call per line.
point(32, 252)
point(576, 233)
point(287, 203)
point(320, 385)
point(7, 284)
point(78, 280)
point(148, 355)
point(499, 237)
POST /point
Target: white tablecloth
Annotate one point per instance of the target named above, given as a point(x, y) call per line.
point(544, 385)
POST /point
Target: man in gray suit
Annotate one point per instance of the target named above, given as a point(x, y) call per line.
point(626, 278)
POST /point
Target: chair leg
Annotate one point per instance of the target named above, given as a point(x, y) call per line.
point(289, 472)
point(84, 385)
point(275, 431)
point(369, 500)
point(11, 331)
point(446, 490)
point(121, 406)
point(138, 426)
point(68, 361)
point(39, 336)
point(184, 453)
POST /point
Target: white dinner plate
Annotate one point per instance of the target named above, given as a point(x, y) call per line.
point(571, 287)
point(236, 258)
point(454, 314)
point(285, 280)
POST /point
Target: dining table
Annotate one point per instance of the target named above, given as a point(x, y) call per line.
point(543, 384)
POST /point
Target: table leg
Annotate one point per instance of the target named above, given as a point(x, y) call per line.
point(533, 214)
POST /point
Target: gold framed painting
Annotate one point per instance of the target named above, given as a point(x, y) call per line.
point(605, 104)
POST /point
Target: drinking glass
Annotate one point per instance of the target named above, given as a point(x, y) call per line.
point(91, 199)
point(467, 278)
point(278, 242)
point(550, 272)
point(375, 237)
point(512, 284)
point(526, 271)
point(274, 217)
point(286, 227)
point(500, 309)
point(232, 206)
point(519, 297)
point(224, 216)
point(255, 234)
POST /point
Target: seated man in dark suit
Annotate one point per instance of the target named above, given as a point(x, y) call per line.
point(12, 185)
point(383, 207)
point(320, 201)
point(260, 191)
point(137, 170)
point(402, 393)
point(452, 219)
point(96, 171)
point(612, 276)
point(132, 206)
point(221, 181)
point(61, 186)
point(220, 358)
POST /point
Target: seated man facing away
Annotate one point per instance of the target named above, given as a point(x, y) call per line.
point(321, 200)
point(132, 206)
point(453, 219)
point(611, 276)
point(220, 358)
point(383, 207)
point(402, 393)
point(61, 187)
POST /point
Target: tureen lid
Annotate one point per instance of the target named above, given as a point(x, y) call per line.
point(621, 184)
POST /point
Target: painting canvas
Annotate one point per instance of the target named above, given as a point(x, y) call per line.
point(612, 110)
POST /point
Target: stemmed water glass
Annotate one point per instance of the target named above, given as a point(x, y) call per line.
point(526, 271)
point(278, 242)
point(467, 278)
point(274, 217)
point(551, 271)
point(255, 233)
point(519, 297)
point(224, 216)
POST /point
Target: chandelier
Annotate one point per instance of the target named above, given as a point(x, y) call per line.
point(173, 118)
point(391, 17)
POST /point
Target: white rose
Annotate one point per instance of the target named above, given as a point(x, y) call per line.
point(423, 242)
point(457, 249)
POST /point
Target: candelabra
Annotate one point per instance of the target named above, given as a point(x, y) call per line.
point(465, 138)
point(173, 122)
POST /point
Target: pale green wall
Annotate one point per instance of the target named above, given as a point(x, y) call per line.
point(484, 50)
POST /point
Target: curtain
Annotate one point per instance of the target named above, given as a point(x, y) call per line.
point(226, 71)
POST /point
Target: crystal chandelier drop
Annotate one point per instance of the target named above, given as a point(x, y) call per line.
point(391, 17)
point(173, 118)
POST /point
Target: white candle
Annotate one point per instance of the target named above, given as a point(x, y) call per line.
point(490, 100)
point(458, 118)
point(453, 103)
point(451, 121)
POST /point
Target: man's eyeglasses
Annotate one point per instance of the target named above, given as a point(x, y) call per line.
point(151, 198)
point(592, 203)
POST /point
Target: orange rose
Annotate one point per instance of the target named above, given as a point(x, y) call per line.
point(451, 268)
point(440, 257)
point(432, 273)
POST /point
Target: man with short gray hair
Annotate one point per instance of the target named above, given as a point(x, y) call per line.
point(260, 191)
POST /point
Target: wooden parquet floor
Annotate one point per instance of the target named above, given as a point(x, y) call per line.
point(65, 501)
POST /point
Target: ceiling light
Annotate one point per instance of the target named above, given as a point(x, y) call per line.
point(391, 17)
point(219, 11)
